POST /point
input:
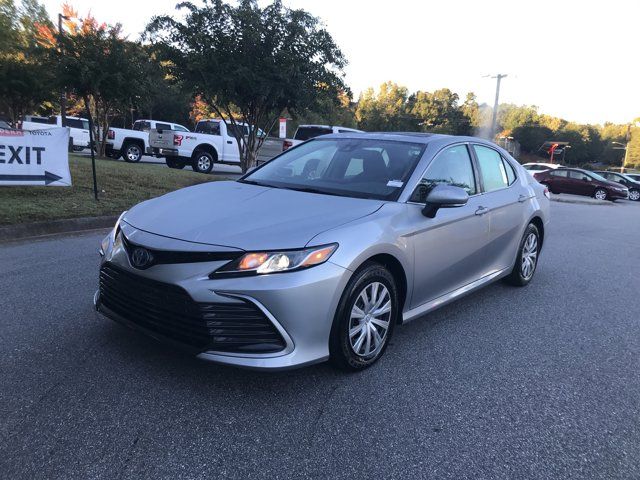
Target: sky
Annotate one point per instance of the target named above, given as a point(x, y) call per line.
point(574, 59)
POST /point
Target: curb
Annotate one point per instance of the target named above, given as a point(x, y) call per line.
point(68, 225)
point(579, 201)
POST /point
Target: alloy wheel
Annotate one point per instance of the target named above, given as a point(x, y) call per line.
point(634, 195)
point(529, 256)
point(204, 163)
point(601, 194)
point(133, 153)
point(371, 315)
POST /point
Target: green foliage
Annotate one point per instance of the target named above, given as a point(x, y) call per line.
point(25, 77)
point(250, 63)
point(386, 110)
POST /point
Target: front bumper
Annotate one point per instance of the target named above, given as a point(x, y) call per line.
point(301, 305)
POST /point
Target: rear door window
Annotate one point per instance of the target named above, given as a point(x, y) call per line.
point(305, 133)
point(163, 126)
point(492, 169)
point(559, 173)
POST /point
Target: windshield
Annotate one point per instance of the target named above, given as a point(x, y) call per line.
point(598, 177)
point(362, 168)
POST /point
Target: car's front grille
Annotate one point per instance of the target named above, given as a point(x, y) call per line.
point(169, 311)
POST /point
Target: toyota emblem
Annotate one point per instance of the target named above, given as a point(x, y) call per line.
point(141, 257)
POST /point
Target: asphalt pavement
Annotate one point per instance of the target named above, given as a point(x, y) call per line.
point(538, 382)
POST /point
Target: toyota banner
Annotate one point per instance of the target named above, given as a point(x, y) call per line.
point(35, 157)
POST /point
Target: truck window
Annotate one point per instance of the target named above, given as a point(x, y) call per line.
point(210, 128)
point(142, 126)
point(305, 133)
point(77, 123)
point(40, 120)
point(232, 129)
point(180, 128)
point(163, 126)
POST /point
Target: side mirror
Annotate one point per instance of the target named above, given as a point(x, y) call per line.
point(444, 196)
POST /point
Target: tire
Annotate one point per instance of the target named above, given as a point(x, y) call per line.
point(202, 162)
point(529, 248)
point(600, 194)
point(172, 163)
point(634, 195)
point(349, 352)
point(131, 152)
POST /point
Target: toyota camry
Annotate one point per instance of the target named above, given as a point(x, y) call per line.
point(323, 251)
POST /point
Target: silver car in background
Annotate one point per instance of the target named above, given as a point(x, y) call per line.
point(321, 252)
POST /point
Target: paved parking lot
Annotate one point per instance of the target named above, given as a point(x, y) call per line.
point(540, 382)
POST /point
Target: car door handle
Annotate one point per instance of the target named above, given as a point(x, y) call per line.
point(229, 142)
point(523, 198)
point(482, 210)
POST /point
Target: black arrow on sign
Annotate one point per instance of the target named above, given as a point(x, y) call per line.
point(47, 178)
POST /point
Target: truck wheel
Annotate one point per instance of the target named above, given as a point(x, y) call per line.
point(202, 162)
point(131, 152)
point(173, 163)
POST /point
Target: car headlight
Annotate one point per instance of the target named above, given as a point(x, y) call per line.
point(107, 241)
point(256, 263)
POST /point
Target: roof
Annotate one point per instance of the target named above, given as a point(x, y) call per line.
point(416, 137)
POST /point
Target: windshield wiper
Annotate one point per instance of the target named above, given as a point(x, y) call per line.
point(253, 182)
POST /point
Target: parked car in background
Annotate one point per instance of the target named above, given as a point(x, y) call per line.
point(320, 253)
point(4, 125)
point(79, 138)
point(306, 132)
point(626, 180)
point(540, 167)
point(213, 141)
point(132, 144)
point(581, 182)
point(633, 176)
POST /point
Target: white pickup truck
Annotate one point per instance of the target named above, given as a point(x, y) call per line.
point(305, 132)
point(133, 143)
point(78, 128)
point(212, 142)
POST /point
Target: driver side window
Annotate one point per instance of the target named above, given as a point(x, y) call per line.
point(451, 167)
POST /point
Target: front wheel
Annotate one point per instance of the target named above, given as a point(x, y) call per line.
point(202, 162)
point(364, 321)
point(600, 194)
point(634, 195)
point(527, 259)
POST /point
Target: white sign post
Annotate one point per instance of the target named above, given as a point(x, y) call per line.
point(35, 157)
point(283, 128)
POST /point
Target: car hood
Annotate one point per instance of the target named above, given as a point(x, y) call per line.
point(248, 217)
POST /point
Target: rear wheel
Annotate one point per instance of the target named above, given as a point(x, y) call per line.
point(202, 162)
point(600, 194)
point(366, 315)
point(527, 259)
point(634, 195)
point(131, 152)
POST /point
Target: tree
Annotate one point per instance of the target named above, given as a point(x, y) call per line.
point(25, 78)
point(250, 63)
point(439, 112)
point(386, 110)
point(109, 73)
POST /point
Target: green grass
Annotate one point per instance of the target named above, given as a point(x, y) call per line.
point(120, 185)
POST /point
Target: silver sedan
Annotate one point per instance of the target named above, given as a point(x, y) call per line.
point(321, 252)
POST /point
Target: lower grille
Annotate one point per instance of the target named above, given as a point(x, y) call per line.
point(169, 311)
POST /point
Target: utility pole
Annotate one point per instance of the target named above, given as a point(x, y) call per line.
point(494, 117)
point(63, 92)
